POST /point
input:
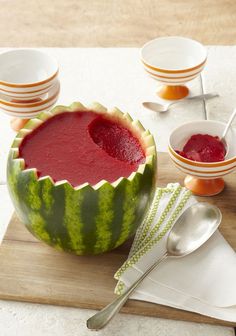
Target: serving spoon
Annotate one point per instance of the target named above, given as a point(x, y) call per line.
point(193, 228)
point(226, 131)
point(156, 107)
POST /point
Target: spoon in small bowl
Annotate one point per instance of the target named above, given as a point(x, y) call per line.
point(233, 115)
point(156, 107)
point(192, 229)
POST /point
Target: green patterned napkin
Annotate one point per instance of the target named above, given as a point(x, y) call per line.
point(187, 283)
point(167, 205)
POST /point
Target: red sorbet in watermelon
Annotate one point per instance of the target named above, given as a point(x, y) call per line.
point(81, 179)
point(82, 147)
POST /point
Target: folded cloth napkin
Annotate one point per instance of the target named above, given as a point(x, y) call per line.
point(203, 282)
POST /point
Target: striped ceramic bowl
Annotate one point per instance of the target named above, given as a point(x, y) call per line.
point(173, 61)
point(27, 73)
point(203, 178)
point(28, 109)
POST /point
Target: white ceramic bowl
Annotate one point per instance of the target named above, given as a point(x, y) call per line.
point(173, 60)
point(23, 71)
point(27, 110)
point(204, 173)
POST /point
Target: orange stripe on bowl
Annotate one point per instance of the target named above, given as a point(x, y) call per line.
point(174, 71)
point(206, 177)
point(172, 80)
point(42, 102)
point(31, 112)
point(200, 176)
point(201, 164)
point(205, 172)
point(31, 84)
point(15, 92)
point(179, 77)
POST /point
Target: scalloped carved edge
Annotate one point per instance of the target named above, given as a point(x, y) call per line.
point(134, 125)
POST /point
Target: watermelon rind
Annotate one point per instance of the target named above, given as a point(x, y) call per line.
point(86, 219)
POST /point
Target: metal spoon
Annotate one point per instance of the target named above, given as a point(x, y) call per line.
point(226, 131)
point(193, 228)
point(156, 107)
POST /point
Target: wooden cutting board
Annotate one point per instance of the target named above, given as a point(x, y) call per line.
point(34, 272)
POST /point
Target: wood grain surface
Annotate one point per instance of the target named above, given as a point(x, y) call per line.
point(34, 272)
point(114, 23)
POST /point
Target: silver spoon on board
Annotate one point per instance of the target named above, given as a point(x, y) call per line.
point(156, 107)
point(192, 229)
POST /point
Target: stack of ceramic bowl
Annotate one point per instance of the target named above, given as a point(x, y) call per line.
point(28, 82)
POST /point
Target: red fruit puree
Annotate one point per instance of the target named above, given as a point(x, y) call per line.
point(203, 148)
point(82, 147)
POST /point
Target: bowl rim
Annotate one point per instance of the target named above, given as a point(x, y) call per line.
point(198, 163)
point(173, 71)
point(31, 84)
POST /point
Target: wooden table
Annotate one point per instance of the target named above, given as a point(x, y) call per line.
point(114, 23)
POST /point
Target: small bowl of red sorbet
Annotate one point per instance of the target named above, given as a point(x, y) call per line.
point(196, 149)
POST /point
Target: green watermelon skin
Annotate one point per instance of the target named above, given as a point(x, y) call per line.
point(83, 220)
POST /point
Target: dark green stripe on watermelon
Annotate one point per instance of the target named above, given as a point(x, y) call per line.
point(89, 210)
point(131, 203)
point(118, 201)
point(13, 170)
point(56, 228)
point(73, 218)
point(28, 190)
point(104, 218)
point(136, 201)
